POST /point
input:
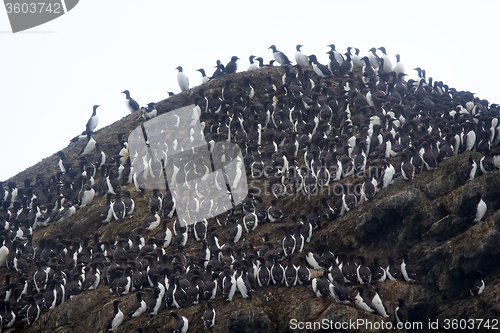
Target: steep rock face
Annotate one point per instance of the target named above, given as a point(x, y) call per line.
point(428, 218)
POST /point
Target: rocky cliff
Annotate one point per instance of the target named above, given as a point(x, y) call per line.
point(428, 218)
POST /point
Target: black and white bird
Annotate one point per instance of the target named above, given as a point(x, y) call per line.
point(117, 318)
point(181, 323)
point(253, 64)
point(407, 269)
point(182, 79)
point(139, 307)
point(280, 57)
point(362, 302)
point(320, 69)
point(204, 77)
point(236, 230)
point(480, 208)
point(149, 111)
point(393, 271)
point(86, 195)
point(232, 66)
point(401, 312)
point(130, 103)
point(209, 315)
point(274, 213)
point(243, 284)
point(93, 120)
point(90, 146)
point(320, 285)
point(378, 272)
point(470, 169)
point(33, 311)
point(301, 58)
point(363, 273)
point(478, 285)
point(378, 305)
point(407, 169)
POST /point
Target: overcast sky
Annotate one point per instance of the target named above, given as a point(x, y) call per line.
point(52, 75)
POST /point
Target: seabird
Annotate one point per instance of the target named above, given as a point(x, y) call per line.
point(250, 221)
point(118, 207)
point(407, 270)
point(253, 65)
point(280, 57)
point(288, 242)
point(236, 230)
point(301, 58)
point(400, 312)
point(209, 315)
point(274, 213)
point(320, 69)
point(373, 58)
point(303, 273)
point(155, 302)
point(204, 77)
point(387, 64)
point(90, 146)
point(407, 169)
point(33, 311)
point(182, 79)
point(86, 195)
point(378, 306)
point(291, 273)
point(338, 56)
point(117, 318)
point(393, 271)
point(363, 273)
point(486, 163)
point(130, 103)
point(378, 272)
point(470, 169)
point(277, 272)
point(356, 60)
point(361, 302)
point(478, 285)
point(320, 285)
point(149, 112)
point(243, 284)
point(93, 120)
point(181, 323)
point(232, 66)
point(228, 285)
point(399, 67)
point(480, 208)
point(129, 203)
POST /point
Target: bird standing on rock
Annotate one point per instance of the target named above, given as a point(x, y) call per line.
point(182, 79)
point(280, 57)
point(130, 103)
point(93, 120)
point(117, 318)
point(232, 66)
point(181, 323)
point(301, 58)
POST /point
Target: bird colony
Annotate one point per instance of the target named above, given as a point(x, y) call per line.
point(300, 135)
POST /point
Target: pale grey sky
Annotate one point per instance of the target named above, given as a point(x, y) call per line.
point(53, 74)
